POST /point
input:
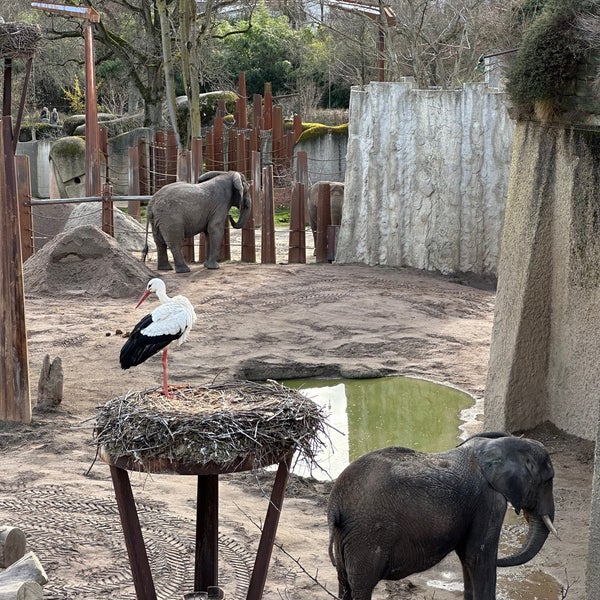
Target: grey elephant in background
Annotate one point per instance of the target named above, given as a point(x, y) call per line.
point(395, 511)
point(336, 198)
point(180, 210)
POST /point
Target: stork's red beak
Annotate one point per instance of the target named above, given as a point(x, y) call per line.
point(146, 294)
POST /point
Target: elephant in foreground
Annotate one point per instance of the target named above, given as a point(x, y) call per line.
point(395, 511)
point(336, 200)
point(180, 210)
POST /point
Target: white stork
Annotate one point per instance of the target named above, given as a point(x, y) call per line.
point(170, 321)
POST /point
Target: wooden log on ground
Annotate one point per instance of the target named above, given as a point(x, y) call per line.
point(12, 545)
point(27, 568)
point(50, 386)
point(21, 590)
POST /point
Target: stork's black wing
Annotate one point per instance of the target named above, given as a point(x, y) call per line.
point(140, 347)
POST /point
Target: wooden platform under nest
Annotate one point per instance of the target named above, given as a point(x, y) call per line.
point(219, 428)
point(19, 40)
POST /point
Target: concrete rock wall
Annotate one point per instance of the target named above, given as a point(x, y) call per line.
point(326, 157)
point(426, 177)
point(546, 335)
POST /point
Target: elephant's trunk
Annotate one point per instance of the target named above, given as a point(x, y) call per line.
point(243, 218)
point(536, 536)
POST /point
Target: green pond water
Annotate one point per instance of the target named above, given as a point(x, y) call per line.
point(366, 414)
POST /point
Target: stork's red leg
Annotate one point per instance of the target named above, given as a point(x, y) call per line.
point(164, 364)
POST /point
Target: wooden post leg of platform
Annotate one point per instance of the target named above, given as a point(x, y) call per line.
point(138, 558)
point(207, 533)
point(267, 538)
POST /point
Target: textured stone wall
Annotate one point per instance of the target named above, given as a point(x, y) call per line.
point(546, 335)
point(426, 177)
point(326, 157)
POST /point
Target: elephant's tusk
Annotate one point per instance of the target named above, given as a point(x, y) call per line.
point(550, 526)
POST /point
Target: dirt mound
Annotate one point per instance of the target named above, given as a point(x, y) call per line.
point(84, 260)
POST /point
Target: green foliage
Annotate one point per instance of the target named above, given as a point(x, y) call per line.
point(550, 54)
point(268, 49)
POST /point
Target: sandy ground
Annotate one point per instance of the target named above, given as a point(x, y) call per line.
point(254, 321)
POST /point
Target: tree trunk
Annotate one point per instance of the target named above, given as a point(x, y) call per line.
point(161, 6)
point(12, 545)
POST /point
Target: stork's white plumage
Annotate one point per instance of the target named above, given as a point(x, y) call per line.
point(170, 321)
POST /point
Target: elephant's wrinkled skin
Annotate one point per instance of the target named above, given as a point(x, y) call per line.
point(180, 210)
point(395, 511)
point(336, 202)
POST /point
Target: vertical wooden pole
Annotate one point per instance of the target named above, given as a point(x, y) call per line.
point(108, 221)
point(233, 160)
point(297, 127)
point(15, 401)
point(268, 111)
point(92, 131)
point(196, 158)
point(210, 150)
point(206, 572)
point(248, 233)
point(242, 104)
point(218, 144)
point(297, 249)
point(171, 157)
point(257, 111)
point(323, 221)
point(267, 247)
point(25, 213)
point(277, 136)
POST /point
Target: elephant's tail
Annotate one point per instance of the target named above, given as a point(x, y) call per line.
point(333, 533)
point(145, 249)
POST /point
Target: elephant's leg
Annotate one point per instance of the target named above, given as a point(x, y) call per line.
point(161, 252)
point(214, 238)
point(479, 575)
point(180, 264)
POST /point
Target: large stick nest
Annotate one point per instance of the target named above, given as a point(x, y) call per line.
point(219, 423)
point(19, 39)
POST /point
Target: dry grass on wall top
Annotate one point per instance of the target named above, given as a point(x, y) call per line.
point(542, 75)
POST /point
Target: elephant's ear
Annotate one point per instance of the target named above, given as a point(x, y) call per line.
point(240, 186)
point(238, 189)
point(504, 468)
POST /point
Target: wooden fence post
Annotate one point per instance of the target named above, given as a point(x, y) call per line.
point(268, 110)
point(248, 233)
point(323, 221)
point(297, 249)
point(242, 103)
point(196, 158)
point(108, 220)
point(15, 401)
point(25, 213)
point(267, 247)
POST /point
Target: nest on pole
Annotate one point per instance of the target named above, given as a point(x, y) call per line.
point(235, 422)
point(19, 40)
